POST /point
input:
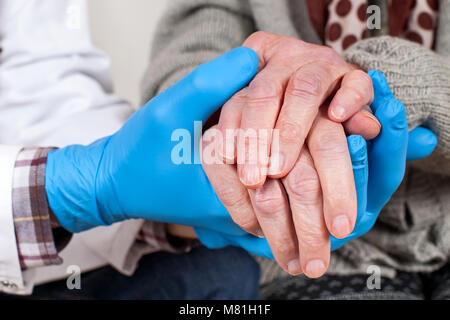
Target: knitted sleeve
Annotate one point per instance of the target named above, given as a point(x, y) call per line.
point(193, 32)
point(420, 78)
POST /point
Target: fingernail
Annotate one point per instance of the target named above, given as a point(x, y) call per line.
point(276, 164)
point(372, 117)
point(338, 112)
point(315, 268)
point(258, 233)
point(252, 175)
point(294, 267)
point(341, 226)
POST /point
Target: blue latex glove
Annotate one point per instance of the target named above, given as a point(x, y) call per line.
point(387, 156)
point(378, 179)
point(130, 174)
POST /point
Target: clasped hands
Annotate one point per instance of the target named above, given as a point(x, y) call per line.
point(297, 185)
point(322, 182)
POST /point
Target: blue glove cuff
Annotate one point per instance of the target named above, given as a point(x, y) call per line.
point(70, 185)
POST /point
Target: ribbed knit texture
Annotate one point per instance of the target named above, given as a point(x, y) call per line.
point(413, 230)
point(420, 79)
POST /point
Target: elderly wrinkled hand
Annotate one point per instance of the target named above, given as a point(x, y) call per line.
point(297, 232)
point(302, 91)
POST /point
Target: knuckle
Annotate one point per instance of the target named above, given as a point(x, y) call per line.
point(306, 85)
point(313, 238)
point(328, 144)
point(263, 90)
point(361, 76)
point(241, 95)
point(285, 247)
point(358, 97)
point(303, 183)
point(291, 45)
point(362, 85)
point(290, 132)
point(258, 36)
point(231, 197)
point(248, 222)
point(268, 202)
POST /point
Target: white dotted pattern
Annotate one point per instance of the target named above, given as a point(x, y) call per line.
point(342, 31)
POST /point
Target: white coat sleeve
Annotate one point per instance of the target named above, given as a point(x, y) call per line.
point(55, 90)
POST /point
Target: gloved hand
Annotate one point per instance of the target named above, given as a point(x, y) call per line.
point(377, 179)
point(375, 183)
point(131, 174)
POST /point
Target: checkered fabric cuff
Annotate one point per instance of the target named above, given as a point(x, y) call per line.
point(154, 234)
point(34, 234)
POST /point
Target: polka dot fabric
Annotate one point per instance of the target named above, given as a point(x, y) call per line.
point(346, 23)
point(414, 20)
point(422, 22)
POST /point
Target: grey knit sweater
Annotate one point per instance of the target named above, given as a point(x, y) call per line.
point(413, 230)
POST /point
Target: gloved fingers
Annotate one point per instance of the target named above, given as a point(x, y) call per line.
point(382, 91)
point(387, 157)
point(421, 143)
point(358, 153)
point(198, 95)
point(357, 148)
point(215, 240)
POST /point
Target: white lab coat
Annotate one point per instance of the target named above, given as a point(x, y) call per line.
point(55, 90)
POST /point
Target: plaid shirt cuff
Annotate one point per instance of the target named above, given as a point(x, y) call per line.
point(34, 234)
point(155, 235)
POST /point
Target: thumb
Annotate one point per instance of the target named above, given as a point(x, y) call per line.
point(199, 94)
point(381, 89)
point(387, 155)
point(421, 143)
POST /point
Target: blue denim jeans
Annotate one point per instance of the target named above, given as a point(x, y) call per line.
point(228, 273)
